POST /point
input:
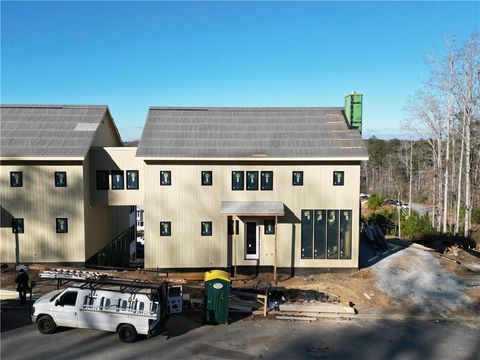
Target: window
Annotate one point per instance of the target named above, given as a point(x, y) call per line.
point(60, 179)
point(252, 180)
point(320, 234)
point(17, 226)
point(206, 228)
point(69, 298)
point(16, 179)
point(165, 178)
point(345, 234)
point(62, 225)
point(237, 180)
point(269, 227)
point(165, 228)
point(117, 180)
point(329, 235)
point(338, 178)
point(102, 180)
point(332, 234)
point(297, 178)
point(207, 178)
point(307, 234)
point(267, 180)
point(132, 179)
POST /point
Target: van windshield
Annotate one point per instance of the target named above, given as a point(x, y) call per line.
point(55, 296)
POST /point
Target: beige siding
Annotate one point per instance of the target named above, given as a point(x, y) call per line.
point(106, 134)
point(116, 158)
point(186, 203)
point(39, 203)
point(102, 223)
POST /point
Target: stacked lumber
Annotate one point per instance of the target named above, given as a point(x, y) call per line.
point(311, 311)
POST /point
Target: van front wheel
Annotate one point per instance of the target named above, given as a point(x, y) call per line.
point(127, 333)
point(46, 325)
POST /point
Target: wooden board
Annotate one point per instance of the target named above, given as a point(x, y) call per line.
point(319, 308)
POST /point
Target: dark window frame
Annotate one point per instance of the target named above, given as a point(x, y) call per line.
point(105, 176)
point(342, 182)
point(57, 177)
point(263, 187)
point(12, 174)
point(129, 172)
point(242, 175)
point(57, 229)
point(255, 185)
point(114, 184)
point(267, 222)
point(166, 183)
point(204, 233)
point(210, 173)
point(299, 183)
point(15, 229)
point(165, 233)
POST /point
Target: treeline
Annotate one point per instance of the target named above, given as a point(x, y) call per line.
point(442, 169)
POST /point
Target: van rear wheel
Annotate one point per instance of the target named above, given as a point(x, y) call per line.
point(46, 325)
point(127, 333)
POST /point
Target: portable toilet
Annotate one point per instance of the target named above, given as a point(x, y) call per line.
point(217, 294)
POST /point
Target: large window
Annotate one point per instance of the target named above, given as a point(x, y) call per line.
point(207, 228)
point(17, 226)
point(237, 180)
point(165, 178)
point(267, 180)
point(297, 178)
point(62, 225)
point(252, 180)
point(117, 180)
point(338, 178)
point(326, 234)
point(16, 179)
point(60, 179)
point(207, 178)
point(102, 180)
point(132, 180)
point(165, 228)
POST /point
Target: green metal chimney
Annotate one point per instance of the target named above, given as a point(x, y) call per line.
point(353, 110)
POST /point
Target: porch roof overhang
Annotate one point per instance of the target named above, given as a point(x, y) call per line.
point(252, 208)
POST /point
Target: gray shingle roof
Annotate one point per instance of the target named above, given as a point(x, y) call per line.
point(249, 132)
point(48, 130)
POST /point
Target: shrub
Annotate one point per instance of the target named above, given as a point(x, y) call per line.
point(417, 227)
point(375, 201)
point(476, 216)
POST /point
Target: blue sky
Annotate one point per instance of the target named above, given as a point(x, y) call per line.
point(135, 55)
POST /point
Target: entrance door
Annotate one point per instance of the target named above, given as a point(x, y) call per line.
point(251, 240)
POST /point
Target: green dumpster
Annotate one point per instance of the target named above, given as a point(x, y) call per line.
point(217, 294)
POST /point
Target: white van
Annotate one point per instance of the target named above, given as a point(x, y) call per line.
point(137, 311)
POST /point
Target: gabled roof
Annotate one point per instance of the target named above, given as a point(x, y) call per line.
point(48, 130)
point(247, 133)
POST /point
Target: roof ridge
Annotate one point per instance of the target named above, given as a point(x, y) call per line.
point(50, 106)
point(206, 108)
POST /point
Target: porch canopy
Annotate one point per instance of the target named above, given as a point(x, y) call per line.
point(252, 208)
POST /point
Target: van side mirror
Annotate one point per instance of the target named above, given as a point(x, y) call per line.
point(57, 302)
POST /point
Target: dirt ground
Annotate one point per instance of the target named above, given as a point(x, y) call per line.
point(410, 281)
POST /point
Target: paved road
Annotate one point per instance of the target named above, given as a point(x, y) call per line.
point(251, 339)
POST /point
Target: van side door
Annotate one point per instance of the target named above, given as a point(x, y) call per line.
point(66, 310)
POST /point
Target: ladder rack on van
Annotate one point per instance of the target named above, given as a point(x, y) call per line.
point(101, 281)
